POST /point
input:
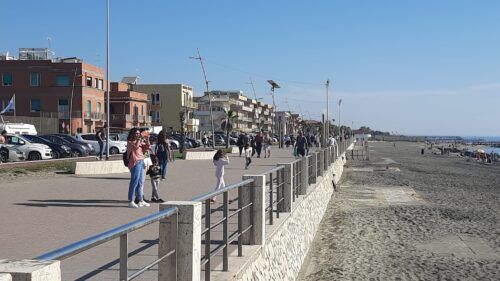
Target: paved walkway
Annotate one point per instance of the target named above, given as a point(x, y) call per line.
point(42, 214)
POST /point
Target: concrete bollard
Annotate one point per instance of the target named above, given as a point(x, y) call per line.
point(314, 159)
point(286, 204)
point(31, 270)
point(256, 215)
point(183, 233)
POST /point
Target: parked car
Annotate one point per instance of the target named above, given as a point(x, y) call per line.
point(115, 147)
point(219, 140)
point(118, 137)
point(77, 148)
point(10, 154)
point(74, 140)
point(33, 151)
point(174, 144)
point(58, 150)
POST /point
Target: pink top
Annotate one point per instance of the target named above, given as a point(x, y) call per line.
point(134, 150)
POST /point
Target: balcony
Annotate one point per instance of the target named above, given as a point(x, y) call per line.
point(129, 118)
point(94, 116)
point(193, 122)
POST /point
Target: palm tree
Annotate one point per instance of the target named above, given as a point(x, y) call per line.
point(227, 123)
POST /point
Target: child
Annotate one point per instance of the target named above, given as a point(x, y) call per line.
point(248, 156)
point(154, 173)
point(220, 160)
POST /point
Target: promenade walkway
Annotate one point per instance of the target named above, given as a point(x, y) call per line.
point(41, 214)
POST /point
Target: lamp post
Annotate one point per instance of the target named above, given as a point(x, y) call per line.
point(107, 81)
point(327, 130)
point(209, 95)
point(340, 124)
point(71, 102)
point(274, 86)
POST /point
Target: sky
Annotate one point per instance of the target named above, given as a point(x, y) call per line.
point(417, 67)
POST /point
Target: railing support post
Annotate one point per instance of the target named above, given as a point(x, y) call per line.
point(314, 159)
point(185, 264)
point(305, 175)
point(31, 270)
point(256, 215)
point(286, 204)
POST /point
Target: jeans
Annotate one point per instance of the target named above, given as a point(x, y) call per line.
point(136, 181)
point(248, 162)
point(163, 169)
point(102, 148)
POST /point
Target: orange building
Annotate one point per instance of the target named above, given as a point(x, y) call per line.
point(128, 108)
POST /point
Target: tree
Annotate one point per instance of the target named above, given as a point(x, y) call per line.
point(227, 123)
point(182, 119)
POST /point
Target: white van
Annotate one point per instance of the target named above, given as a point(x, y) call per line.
point(18, 128)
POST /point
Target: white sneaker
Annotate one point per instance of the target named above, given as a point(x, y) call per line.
point(143, 204)
point(133, 205)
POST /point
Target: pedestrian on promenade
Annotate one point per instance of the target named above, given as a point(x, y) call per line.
point(164, 153)
point(239, 143)
point(220, 160)
point(258, 143)
point(301, 145)
point(267, 145)
point(101, 138)
point(136, 144)
point(204, 140)
point(253, 145)
point(154, 173)
point(248, 155)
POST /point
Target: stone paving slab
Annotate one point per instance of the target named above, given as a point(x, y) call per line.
point(42, 214)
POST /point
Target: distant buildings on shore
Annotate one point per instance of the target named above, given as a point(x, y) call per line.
point(68, 95)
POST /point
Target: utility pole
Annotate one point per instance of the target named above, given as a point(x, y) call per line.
point(199, 57)
point(253, 89)
point(340, 124)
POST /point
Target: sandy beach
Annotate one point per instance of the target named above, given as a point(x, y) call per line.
point(406, 216)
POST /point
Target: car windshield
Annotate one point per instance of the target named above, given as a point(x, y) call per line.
point(68, 138)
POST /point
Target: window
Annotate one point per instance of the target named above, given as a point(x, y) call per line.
point(157, 98)
point(99, 84)
point(89, 137)
point(34, 79)
point(99, 107)
point(35, 105)
point(96, 82)
point(88, 81)
point(142, 109)
point(89, 106)
point(16, 140)
point(62, 80)
point(6, 79)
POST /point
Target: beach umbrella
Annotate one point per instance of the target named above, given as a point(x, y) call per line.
point(480, 151)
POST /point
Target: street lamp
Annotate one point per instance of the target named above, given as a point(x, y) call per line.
point(209, 95)
point(71, 102)
point(340, 124)
point(274, 86)
point(327, 131)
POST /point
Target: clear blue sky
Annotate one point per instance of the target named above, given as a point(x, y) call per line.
point(415, 67)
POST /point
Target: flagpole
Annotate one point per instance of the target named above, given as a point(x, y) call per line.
point(15, 119)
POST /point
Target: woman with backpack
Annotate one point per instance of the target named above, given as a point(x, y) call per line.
point(136, 144)
point(163, 152)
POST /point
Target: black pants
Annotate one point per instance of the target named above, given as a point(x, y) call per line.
point(241, 149)
point(248, 162)
point(258, 147)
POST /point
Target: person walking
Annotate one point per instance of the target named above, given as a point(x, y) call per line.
point(4, 151)
point(248, 156)
point(240, 144)
point(301, 145)
point(267, 145)
point(101, 138)
point(164, 153)
point(220, 160)
point(135, 146)
point(204, 140)
point(154, 173)
point(258, 143)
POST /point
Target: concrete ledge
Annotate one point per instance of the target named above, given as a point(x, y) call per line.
point(198, 155)
point(5, 277)
point(31, 270)
point(99, 167)
point(235, 149)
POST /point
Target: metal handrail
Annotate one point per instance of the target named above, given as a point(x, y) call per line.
point(90, 242)
point(214, 193)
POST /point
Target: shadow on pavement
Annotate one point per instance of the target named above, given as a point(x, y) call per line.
point(76, 203)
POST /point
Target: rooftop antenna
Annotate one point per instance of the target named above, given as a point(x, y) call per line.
point(49, 41)
point(253, 88)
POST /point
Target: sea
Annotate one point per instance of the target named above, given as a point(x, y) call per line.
point(487, 149)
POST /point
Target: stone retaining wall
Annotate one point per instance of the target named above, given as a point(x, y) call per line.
point(281, 257)
point(99, 167)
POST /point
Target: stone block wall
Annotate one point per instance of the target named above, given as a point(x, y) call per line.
point(284, 251)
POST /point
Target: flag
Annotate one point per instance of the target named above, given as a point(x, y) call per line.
point(11, 105)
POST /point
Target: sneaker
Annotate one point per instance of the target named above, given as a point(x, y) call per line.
point(159, 200)
point(143, 204)
point(136, 201)
point(132, 204)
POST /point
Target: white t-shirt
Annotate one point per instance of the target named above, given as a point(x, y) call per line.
point(248, 152)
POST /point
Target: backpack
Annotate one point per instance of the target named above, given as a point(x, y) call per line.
point(126, 158)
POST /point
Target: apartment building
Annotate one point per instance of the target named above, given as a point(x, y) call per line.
point(128, 108)
point(68, 92)
point(252, 115)
point(169, 101)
